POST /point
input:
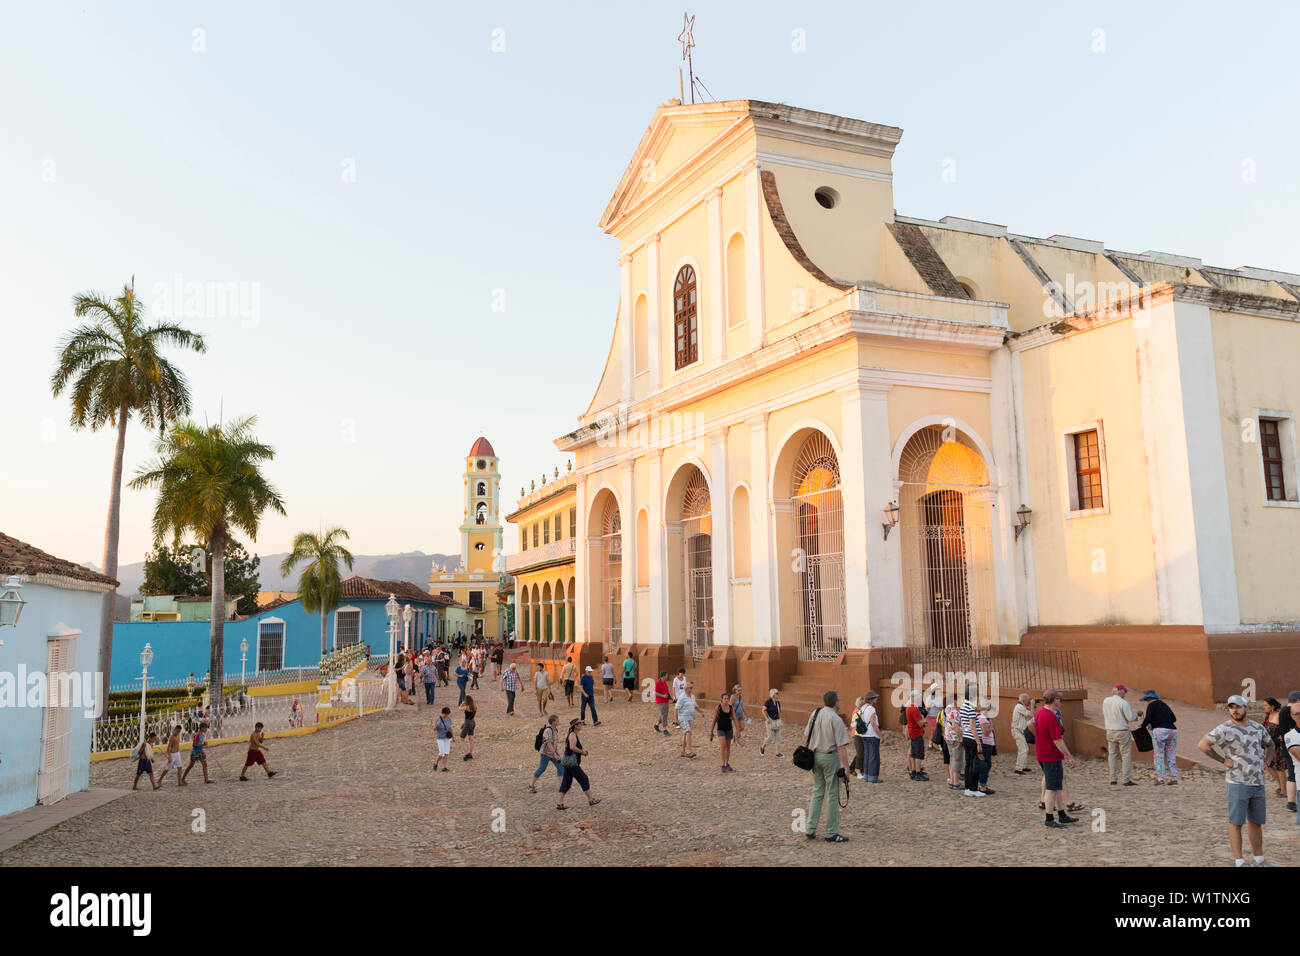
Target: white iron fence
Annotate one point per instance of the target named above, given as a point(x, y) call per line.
point(367, 694)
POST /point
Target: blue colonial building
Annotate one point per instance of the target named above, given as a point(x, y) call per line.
point(49, 689)
point(281, 636)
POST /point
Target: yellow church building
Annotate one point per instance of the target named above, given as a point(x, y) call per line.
point(831, 436)
point(475, 583)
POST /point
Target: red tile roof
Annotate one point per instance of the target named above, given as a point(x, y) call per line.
point(482, 447)
point(18, 557)
point(368, 589)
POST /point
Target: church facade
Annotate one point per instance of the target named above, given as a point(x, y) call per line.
point(826, 429)
point(476, 582)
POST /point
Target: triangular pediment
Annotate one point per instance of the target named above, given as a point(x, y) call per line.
point(676, 138)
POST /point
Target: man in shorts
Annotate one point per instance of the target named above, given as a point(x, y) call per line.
point(607, 679)
point(1292, 739)
point(662, 700)
point(915, 718)
point(255, 755)
point(686, 707)
point(569, 674)
point(1051, 751)
point(1246, 749)
point(145, 764)
point(679, 685)
point(173, 757)
point(198, 753)
point(443, 731)
point(629, 675)
point(542, 681)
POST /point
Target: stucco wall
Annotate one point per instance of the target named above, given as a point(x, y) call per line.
point(1256, 364)
point(21, 726)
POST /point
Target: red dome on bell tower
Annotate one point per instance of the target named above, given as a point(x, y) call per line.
point(482, 449)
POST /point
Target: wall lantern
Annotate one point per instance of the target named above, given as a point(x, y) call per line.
point(1022, 519)
point(11, 602)
point(890, 517)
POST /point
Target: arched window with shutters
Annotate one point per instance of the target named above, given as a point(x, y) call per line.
point(686, 325)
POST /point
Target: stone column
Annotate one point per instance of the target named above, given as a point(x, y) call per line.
point(627, 565)
point(754, 255)
point(874, 604)
point(581, 565)
point(652, 308)
point(716, 282)
point(762, 566)
point(627, 323)
point(656, 550)
point(720, 516)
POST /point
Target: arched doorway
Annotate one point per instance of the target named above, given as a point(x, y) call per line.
point(697, 563)
point(944, 520)
point(817, 514)
point(611, 575)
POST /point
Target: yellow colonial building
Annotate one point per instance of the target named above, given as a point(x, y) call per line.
point(477, 580)
point(826, 431)
point(544, 567)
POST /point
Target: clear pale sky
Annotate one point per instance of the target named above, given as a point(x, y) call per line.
point(478, 171)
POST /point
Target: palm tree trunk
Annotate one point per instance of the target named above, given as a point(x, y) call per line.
point(217, 635)
point(322, 632)
point(109, 565)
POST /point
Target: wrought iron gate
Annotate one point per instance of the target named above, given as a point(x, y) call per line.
point(818, 534)
point(697, 564)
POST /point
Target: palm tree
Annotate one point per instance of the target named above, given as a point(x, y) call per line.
point(209, 486)
point(319, 586)
point(114, 368)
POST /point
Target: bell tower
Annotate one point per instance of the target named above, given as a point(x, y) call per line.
point(481, 533)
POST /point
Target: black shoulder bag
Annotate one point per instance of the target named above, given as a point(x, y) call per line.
point(803, 757)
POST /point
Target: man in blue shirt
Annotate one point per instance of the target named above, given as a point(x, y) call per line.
point(589, 696)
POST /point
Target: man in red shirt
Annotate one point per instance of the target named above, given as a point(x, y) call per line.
point(662, 699)
point(916, 738)
point(1050, 749)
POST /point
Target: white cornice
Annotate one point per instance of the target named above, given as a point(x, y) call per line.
point(67, 583)
point(825, 166)
point(839, 328)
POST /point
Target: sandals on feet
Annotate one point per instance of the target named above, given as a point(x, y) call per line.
point(1075, 807)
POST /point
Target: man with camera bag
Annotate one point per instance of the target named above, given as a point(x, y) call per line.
point(828, 739)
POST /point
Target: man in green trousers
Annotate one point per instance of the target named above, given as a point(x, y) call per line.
point(828, 738)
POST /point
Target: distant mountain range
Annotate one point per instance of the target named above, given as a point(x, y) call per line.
point(410, 566)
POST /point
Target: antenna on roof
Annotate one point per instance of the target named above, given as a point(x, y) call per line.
point(687, 39)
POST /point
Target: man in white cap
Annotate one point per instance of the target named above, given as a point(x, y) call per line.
point(588, 685)
point(1247, 749)
point(1119, 734)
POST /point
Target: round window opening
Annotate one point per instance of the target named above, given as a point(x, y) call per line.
point(482, 465)
point(827, 198)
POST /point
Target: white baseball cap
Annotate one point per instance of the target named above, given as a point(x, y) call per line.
point(588, 668)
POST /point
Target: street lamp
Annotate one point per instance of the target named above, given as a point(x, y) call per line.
point(11, 602)
point(393, 609)
point(146, 658)
point(243, 658)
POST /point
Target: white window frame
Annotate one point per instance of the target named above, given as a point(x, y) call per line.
point(284, 641)
point(1069, 476)
point(337, 612)
point(1290, 461)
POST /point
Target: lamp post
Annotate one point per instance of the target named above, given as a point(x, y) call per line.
point(393, 610)
point(407, 616)
point(11, 603)
point(243, 658)
point(146, 658)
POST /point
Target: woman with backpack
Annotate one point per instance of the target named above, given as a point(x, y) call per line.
point(572, 763)
point(547, 746)
point(858, 731)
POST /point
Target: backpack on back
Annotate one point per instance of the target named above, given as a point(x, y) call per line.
point(537, 744)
